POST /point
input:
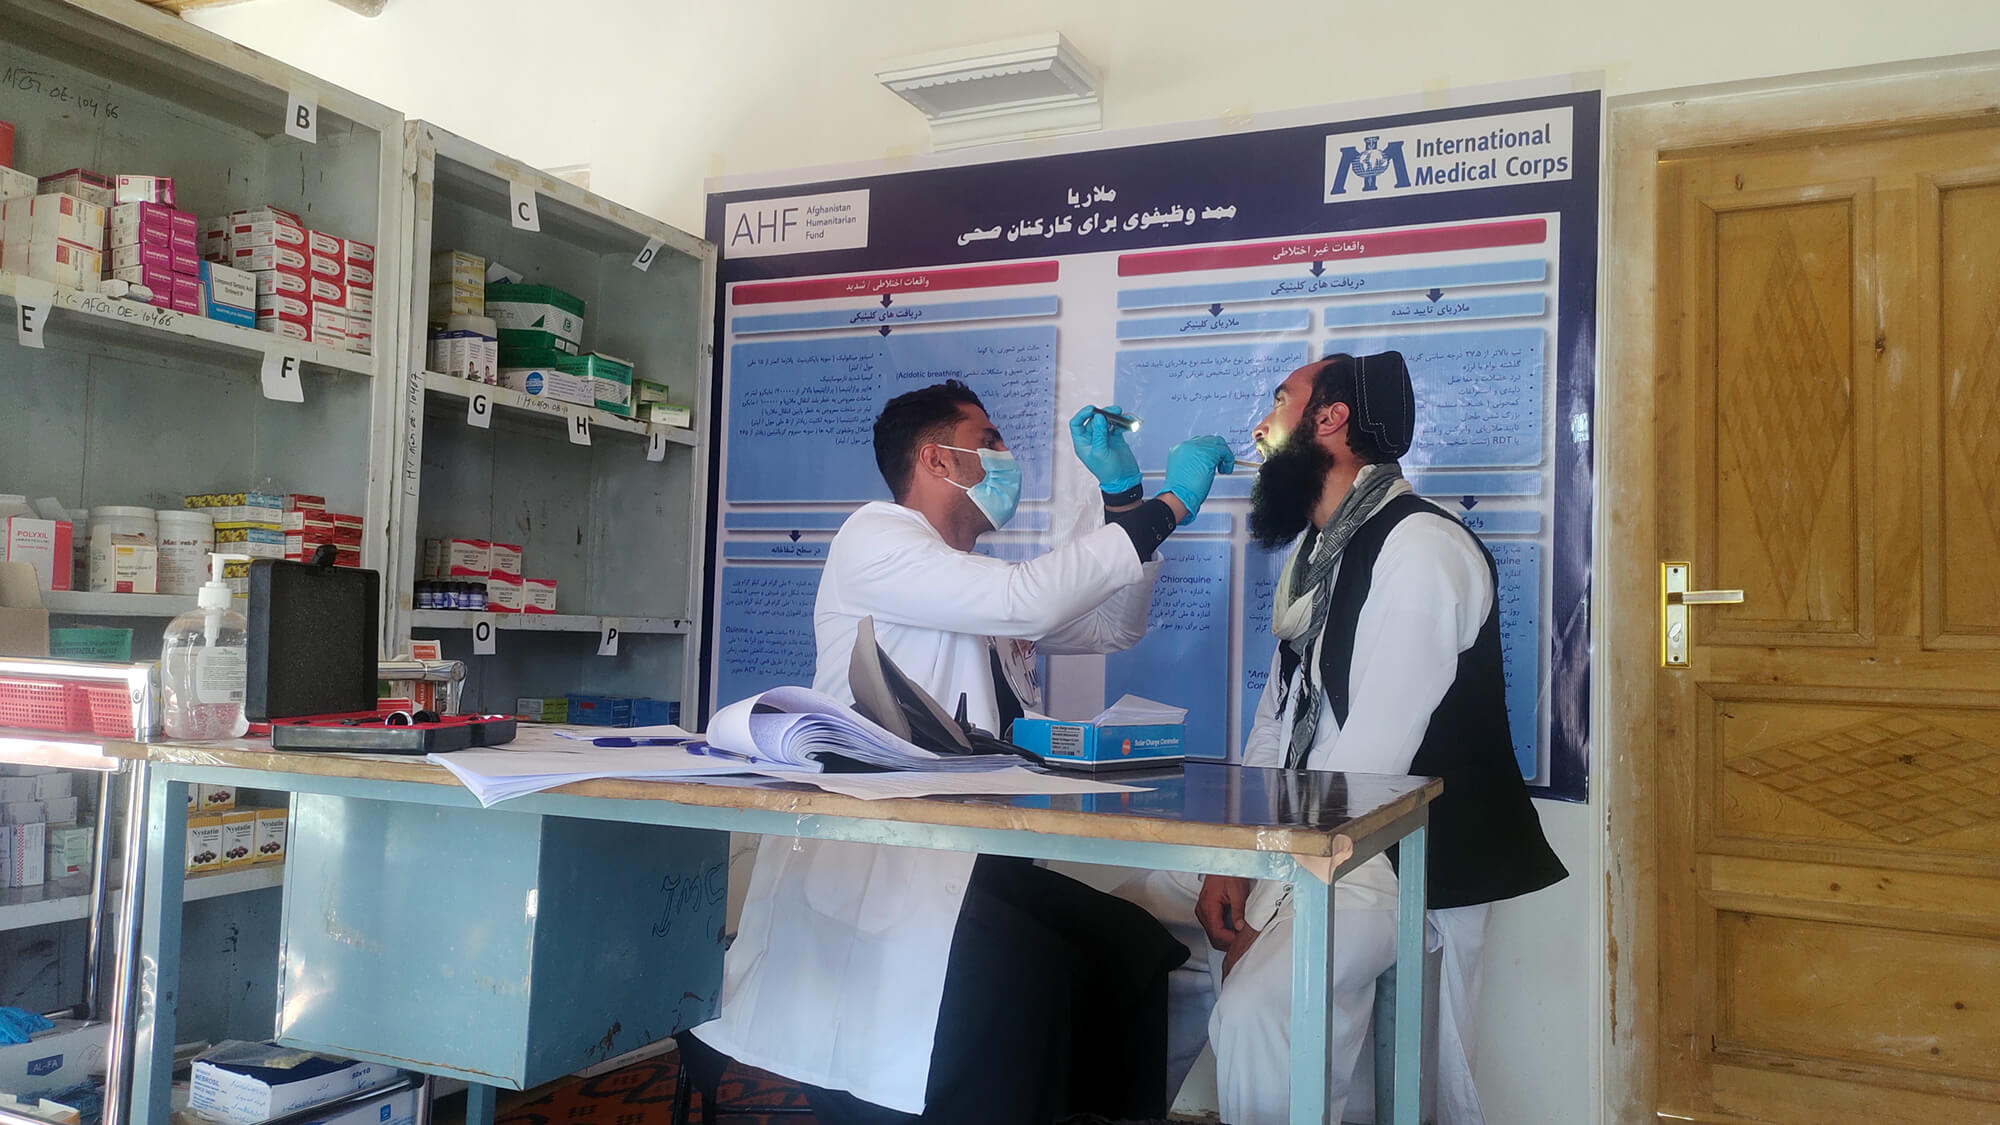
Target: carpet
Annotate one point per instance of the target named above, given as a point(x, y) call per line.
point(643, 1094)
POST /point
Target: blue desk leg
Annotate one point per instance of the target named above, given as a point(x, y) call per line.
point(1412, 983)
point(481, 1102)
point(159, 970)
point(1312, 999)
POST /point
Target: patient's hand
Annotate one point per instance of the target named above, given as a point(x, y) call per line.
point(1245, 937)
point(1220, 909)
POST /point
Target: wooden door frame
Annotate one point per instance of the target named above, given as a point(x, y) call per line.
point(1642, 128)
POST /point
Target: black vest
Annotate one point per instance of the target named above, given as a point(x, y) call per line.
point(1485, 841)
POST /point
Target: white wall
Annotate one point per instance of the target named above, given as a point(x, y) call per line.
point(656, 95)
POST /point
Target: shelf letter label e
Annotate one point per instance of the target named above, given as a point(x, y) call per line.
point(521, 206)
point(34, 298)
point(281, 377)
point(302, 117)
point(482, 637)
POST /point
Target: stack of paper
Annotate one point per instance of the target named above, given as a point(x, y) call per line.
point(542, 758)
point(793, 727)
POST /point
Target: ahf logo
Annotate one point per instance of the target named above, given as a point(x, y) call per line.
point(1368, 163)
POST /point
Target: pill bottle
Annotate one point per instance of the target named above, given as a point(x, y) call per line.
point(186, 538)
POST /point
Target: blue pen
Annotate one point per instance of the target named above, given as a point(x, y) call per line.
point(619, 740)
point(705, 749)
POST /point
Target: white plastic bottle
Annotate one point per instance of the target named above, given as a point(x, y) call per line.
point(203, 663)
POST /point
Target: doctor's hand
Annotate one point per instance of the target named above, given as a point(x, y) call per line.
point(1220, 909)
point(1191, 469)
point(1102, 449)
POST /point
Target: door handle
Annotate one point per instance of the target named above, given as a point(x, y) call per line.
point(1675, 597)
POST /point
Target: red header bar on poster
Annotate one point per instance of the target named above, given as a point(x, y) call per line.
point(1471, 236)
point(910, 281)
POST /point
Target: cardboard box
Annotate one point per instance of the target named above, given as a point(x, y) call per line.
point(42, 544)
point(291, 259)
point(549, 382)
point(143, 189)
point(457, 558)
point(288, 328)
point(187, 294)
point(229, 294)
point(554, 710)
point(248, 1086)
point(131, 223)
point(29, 811)
point(204, 843)
point(124, 564)
point(69, 851)
point(84, 184)
point(53, 218)
point(457, 267)
point(265, 215)
point(270, 842)
point(24, 624)
point(29, 864)
point(15, 185)
point(1087, 745)
point(63, 1056)
point(505, 593)
point(53, 786)
point(60, 811)
point(284, 306)
point(271, 283)
point(71, 265)
point(669, 414)
point(610, 380)
point(151, 255)
point(539, 595)
point(15, 790)
point(239, 837)
point(525, 312)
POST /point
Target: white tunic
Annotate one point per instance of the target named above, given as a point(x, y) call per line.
point(839, 962)
point(1428, 597)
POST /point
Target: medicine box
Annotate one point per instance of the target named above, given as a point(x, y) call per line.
point(600, 711)
point(187, 294)
point(325, 291)
point(322, 243)
point(450, 299)
point(52, 218)
point(204, 843)
point(143, 189)
point(538, 595)
point(1089, 746)
point(14, 790)
point(159, 282)
point(69, 851)
point(42, 544)
point(123, 564)
point(15, 185)
point(259, 1088)
point(215, 798)
point(132, 223)
point(71, 265)
point(361, 333)
point(54, 786)
point(24, 812)
point(263, 508)
point(265, 215)
point(505, 593)
point(361, 252)
point(229, 294)
point(550, 382)
point(669, 414)
point(329, 326)
point(86, 185)
point(546, 710)
point(526, 312)
point(291, 329)
point(60, 810)
point(270, 840)
point(152, 255)
point(453, 266)
point(610, 380)
point(29, 863)
point(272, 283)
point(360, 275)
point(457, 558)
point(239, 837)
point(290, 259)
point(333, 269)
point(506, 559)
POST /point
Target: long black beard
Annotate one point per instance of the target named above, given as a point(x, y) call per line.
point(1288, 488)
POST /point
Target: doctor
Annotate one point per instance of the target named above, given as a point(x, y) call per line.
point(1388, 662)
point(905, 984)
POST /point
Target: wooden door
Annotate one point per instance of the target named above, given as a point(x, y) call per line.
point(1829, 763)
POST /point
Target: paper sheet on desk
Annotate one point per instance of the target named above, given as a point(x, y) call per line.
point(587, 734)
point(1013, 782)
point(544, 758)
point(1132, 711)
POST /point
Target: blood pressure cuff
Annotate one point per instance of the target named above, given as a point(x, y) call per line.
point(1148, 525)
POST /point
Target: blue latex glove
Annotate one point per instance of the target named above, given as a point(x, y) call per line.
point(1102, 449)
point(1191, 469)
point(18, 1025)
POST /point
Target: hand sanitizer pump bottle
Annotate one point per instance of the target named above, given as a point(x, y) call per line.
point(204, 663)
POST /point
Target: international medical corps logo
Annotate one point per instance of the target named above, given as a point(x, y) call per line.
point(1368, 164)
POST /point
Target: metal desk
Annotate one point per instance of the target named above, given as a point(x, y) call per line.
point(1308, 829)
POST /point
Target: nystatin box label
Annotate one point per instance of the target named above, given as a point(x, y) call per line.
point(800, 224)
point(1457, 155)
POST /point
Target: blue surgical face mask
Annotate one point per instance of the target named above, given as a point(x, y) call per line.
point(998, 493)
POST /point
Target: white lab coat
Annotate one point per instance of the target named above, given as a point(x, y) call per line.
point(1427, 599)
point(839, 961)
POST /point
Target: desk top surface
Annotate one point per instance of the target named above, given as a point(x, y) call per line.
point(1201, 804)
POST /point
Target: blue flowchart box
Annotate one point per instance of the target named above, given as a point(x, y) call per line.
point(764, 629)
point(1479, 394)
point(1222, 389)
point(1183, 660)
point(802, 412)
point(1338, 284)
point(1214, 324)
point(894, 316)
